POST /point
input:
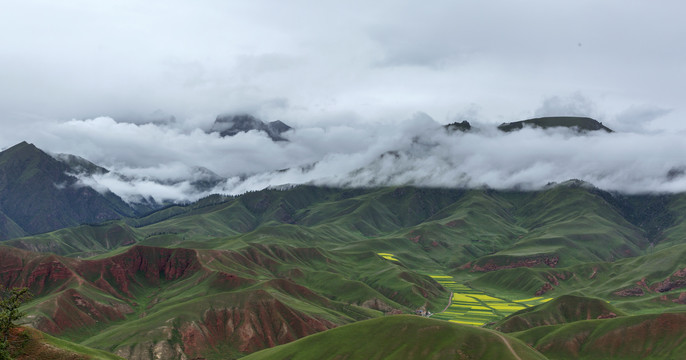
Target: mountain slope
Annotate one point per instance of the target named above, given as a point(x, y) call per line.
point(654, 336)
point(38, 195)
point(39, 345)
point(225, 301)
point(232, 275)
point(402, 337)
point(561, 310)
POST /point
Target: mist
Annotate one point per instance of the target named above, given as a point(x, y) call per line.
point(165, 162)
point(135, 87)
point(529, 159)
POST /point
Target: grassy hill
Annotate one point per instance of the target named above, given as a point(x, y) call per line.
point(264, 296)
point(654, 336)
point(561, 310)
point(233, 275)
point(31, 344)
point(402, 337)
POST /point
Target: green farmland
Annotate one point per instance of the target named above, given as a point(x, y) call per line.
point(473, 307)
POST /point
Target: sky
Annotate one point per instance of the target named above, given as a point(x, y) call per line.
point(134, 86)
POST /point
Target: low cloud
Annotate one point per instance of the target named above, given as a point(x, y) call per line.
point(527, 159)
point(639, 118)
point(168, 163)
point(575, 104)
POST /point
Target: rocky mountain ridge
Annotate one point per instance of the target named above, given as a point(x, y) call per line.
point(231, 125)
point(38, 194)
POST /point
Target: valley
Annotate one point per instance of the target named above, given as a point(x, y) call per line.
point(228, 276)
point(302, 180)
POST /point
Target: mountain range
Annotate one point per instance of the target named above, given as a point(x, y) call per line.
point(312, 272)
point(232, 275)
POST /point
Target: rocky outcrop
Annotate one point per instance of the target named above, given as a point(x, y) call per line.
point(231, 125)
point(154, 264)
point(153, 350)
point(632, 291)
point(263, 322)
point(676, 280)
point(73, 310)
point(544, 289)
point(377, 304)
point(463, 126)
point(608, 315)
point(681, 299)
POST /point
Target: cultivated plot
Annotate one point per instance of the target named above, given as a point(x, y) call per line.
point(473, 307)
point(388, 256)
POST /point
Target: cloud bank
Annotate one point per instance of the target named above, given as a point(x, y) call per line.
point(170, 163)
point(303, 61)
point(346, 76)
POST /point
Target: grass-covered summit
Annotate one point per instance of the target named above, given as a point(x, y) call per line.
point(561, 310)
point(402, 337)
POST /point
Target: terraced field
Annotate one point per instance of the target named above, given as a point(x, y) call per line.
point(388, 256)
point(473, 307)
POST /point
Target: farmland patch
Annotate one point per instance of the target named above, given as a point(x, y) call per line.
point(474, 307)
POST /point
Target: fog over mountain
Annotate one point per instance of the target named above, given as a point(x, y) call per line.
point(136, 87)
point(166, 162)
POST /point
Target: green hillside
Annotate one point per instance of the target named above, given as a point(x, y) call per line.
point(31, 344)
point(129, 297)
point(402, 337)
point(654, 336)
point(561, 310)
point(228, 276)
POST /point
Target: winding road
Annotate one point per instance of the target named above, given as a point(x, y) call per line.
point(508, 346)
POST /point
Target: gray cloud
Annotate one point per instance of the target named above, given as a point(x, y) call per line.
point(572, 105)
point(162, 162)
point(528, 159)
point(304, 62)
point(639, 118)
point(133, 86)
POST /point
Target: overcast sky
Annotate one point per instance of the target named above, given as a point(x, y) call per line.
point(74, 75)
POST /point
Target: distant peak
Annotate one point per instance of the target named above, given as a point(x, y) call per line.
point(571, 183)
point(580, 124)
point(24, 148)
point(23, 144)
point(459, 126)
point(279, 126)
point(232, 124)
